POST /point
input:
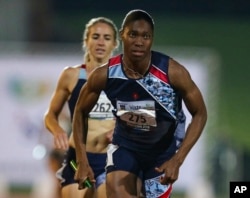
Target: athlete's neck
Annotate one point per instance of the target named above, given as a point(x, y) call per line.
point(136, 68)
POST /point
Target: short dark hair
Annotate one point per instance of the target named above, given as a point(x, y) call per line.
point(135, 15)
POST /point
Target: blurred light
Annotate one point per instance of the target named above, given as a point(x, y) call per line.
point(39, 152)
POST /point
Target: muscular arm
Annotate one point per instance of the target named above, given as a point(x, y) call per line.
point(181, 80)
point(88, 97)
point(59, 98)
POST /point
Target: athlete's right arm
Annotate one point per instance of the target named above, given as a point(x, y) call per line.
point(87, 99)
point(59, 98)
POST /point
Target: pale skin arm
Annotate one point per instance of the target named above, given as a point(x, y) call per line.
point(181, 80)
point(87, 99)
point(58, 100)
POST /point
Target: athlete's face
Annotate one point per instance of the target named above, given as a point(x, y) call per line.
point(100, 42)
point(137, 38)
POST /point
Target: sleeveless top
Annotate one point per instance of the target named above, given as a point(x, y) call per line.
point(147, 110)
point(102, 110)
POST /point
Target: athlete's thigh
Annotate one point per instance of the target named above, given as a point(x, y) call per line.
point(121, 183)
point(122, 171)
point(72, 191)
point(101, 191)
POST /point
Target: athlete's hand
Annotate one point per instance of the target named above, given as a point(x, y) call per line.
point(170, 169)
point(61, 140)
point(83, 173)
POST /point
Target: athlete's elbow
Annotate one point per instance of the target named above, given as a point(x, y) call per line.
point(46, 120)
point(202, 117)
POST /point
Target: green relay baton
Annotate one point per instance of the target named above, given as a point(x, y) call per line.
point(87, 183)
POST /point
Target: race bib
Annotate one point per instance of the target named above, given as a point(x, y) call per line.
point(137, 114)
point(102, 109)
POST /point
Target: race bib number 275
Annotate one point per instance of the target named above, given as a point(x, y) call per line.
point(138, 114)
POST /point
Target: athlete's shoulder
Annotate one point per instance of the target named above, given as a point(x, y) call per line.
point(70, 72)
point(69, 69)
point(178, 74)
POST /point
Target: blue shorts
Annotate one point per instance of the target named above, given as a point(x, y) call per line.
point(143, 166)
point(97, 161)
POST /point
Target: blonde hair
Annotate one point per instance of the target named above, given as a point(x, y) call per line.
point(91, 23)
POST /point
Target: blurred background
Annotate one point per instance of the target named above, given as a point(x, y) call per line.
point(39, 38)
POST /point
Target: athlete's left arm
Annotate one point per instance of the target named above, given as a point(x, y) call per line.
point(195, 104)
point(181, 80)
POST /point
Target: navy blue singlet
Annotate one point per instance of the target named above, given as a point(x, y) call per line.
point(146, 109)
